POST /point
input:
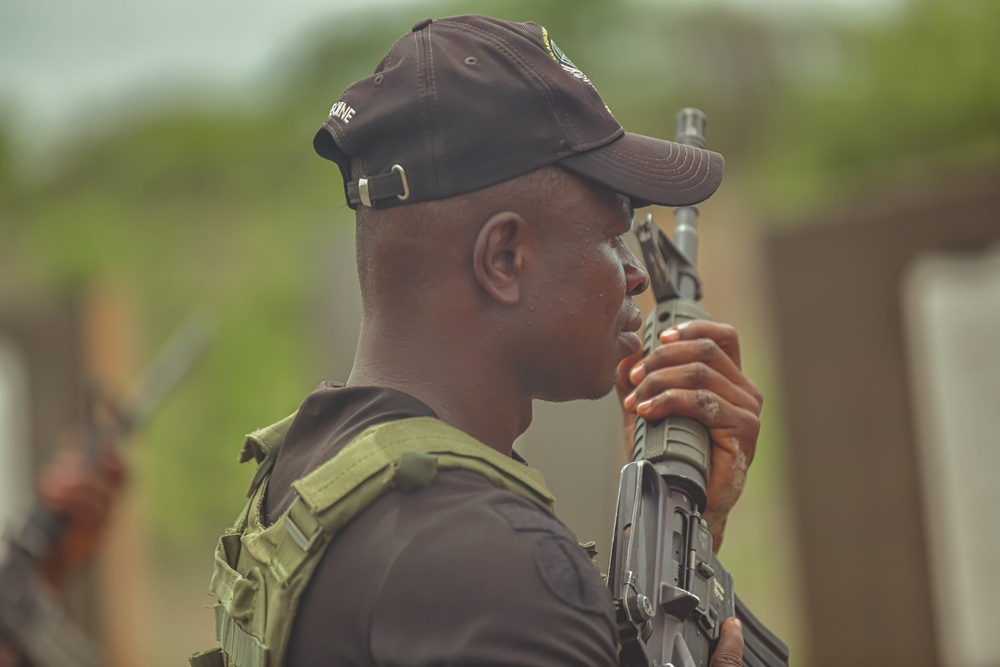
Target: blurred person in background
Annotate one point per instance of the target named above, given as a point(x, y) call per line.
point(84, 494)
point(391, 521)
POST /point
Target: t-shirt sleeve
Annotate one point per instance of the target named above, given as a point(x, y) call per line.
point(506, 585)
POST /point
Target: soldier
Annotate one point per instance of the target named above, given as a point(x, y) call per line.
point(391, 522)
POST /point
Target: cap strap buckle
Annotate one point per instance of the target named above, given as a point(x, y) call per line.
point(406, 185)
point(366, 197)
point(370, 189)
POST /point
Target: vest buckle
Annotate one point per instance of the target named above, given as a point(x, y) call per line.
point(298, 511)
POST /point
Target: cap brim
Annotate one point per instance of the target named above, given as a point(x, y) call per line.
point(651, 171)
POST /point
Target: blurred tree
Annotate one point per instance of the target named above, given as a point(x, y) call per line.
point(904, 95)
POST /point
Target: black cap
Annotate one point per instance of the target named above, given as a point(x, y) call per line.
point(465, 102)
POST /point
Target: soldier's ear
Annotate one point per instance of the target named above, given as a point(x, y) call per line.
point(499, 254)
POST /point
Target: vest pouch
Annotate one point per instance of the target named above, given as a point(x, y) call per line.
point(240, 612)
point(241, 607)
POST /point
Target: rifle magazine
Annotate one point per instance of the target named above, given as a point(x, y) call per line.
point(762, 647)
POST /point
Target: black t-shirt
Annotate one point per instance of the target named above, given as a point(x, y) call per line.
point(456, 573)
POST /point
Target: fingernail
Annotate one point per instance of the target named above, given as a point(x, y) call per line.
point(629, 401)
point(638, 372)
point(643, 407)
point(684, 325)
point(671, 334)
point(738, 623)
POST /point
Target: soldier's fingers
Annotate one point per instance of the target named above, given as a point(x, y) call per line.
point(112, 468)
point(66, 462)
point(702, 350)
point(76, 494)
point(54, 486)
point(729, 650)
point(722, 418)
point(696, 375)
point(724, 335)
point(622, 382)
point(89, 501)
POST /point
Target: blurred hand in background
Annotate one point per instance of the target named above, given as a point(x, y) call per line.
point(84, 493)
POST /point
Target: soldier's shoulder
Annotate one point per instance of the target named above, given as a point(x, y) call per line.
point(492, 579)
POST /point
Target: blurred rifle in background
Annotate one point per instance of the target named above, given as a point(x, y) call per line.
point(32, 616)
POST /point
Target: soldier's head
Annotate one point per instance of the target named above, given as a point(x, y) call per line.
point(485, 168)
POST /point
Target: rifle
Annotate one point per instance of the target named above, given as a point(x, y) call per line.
point(671, 593)
point(31, 614)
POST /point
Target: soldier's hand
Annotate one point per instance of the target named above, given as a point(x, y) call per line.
point(10, 656)
point(729, 650)
point(84, 494)
point(696, 373)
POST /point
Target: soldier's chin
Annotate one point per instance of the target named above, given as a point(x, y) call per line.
point(584, 393)
point(604, 389)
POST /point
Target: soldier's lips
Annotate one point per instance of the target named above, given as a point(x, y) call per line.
point(629, 335)
point(630, 340)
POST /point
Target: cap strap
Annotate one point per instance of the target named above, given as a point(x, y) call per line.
point(371, 189)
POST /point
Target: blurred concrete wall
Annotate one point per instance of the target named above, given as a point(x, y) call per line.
point(952, 309)
point(860, 495)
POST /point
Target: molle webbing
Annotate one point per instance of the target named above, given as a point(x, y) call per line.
point(261, 571)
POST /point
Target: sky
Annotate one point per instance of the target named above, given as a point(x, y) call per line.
point(60, 60)
point(64, 60)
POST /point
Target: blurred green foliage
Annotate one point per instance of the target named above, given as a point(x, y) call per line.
point(226, 210)
point(917, 93)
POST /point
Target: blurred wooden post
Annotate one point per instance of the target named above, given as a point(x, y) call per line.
point(122, 568)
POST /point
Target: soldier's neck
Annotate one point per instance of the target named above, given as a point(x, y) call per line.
point(448, 376)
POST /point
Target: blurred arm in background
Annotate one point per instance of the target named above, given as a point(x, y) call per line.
point(85, 493)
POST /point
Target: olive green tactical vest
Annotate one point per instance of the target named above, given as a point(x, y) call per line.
point(260, 571)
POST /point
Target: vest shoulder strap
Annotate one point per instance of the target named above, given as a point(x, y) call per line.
point(408, 452)
point(404, 454)
point(265, 442)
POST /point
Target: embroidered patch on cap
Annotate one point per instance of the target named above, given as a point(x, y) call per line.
point(561, 58)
